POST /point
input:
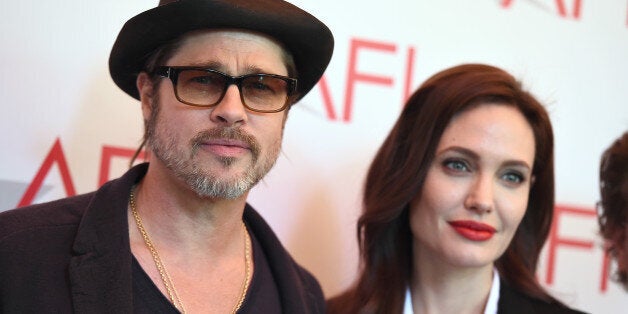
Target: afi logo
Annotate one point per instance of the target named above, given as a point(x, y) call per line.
point(564, 8)
point(56, 156)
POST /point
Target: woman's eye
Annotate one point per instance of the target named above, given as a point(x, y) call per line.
point(456, 165)
point(513, 177)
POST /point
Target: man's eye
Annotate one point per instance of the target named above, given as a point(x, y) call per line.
point(204, 80)
point(259, 86)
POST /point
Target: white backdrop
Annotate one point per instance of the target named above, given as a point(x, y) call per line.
point(60, 108)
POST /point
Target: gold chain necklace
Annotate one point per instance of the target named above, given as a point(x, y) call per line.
point(165, 277)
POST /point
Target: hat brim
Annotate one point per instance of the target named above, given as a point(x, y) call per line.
point(309, 41)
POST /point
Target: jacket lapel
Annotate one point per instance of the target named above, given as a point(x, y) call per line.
point(296, 295)
point(100, 270)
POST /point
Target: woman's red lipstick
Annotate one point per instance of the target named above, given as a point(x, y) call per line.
point(473, 230)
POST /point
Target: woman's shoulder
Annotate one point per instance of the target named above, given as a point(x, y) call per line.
point(512, 301)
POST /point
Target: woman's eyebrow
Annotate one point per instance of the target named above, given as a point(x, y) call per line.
point(475, 156)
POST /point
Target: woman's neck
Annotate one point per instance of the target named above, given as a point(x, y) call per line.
point(438, 287)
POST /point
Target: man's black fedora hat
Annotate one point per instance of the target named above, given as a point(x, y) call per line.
point(309, 41)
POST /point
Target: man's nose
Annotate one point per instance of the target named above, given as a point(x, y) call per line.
point(230, 110)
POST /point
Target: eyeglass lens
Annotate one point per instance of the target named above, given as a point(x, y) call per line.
point(205, 88)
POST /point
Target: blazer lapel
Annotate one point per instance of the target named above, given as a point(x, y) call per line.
point(295, 296)
point(512, 302)
point(100, 270)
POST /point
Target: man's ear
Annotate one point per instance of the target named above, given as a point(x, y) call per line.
point(145, 88)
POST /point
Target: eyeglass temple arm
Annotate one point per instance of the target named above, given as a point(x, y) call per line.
point(163, 71)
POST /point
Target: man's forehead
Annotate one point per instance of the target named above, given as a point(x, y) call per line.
point(220, 49)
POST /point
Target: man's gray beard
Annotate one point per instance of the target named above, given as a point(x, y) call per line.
point(205, 184)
